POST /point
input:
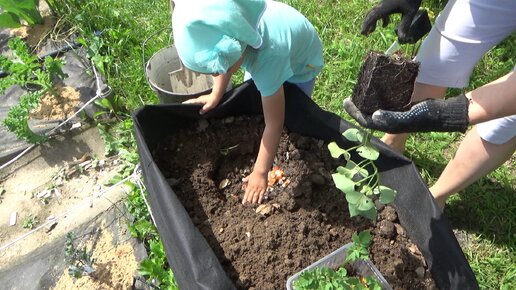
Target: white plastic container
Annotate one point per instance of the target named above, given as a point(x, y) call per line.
point(335, 261)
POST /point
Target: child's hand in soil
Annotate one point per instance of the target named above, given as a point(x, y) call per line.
point(255, 188)
point(208, 101)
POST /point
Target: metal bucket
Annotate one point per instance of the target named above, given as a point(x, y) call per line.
point(157, 73)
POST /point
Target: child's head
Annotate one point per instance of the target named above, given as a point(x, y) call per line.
point(211, 35)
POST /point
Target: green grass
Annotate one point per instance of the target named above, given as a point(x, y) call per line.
point(485, 211)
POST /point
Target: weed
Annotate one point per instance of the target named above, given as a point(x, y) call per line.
point(152, 267)
point(25, 70)
point(30, 222)
point(79, 261)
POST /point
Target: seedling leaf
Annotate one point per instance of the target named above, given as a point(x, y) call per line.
point(353, 135)
point(368, 152)
point(336, 151)
point(365, 203)
point(387, 195)
point(353, 197)
point(342, 182)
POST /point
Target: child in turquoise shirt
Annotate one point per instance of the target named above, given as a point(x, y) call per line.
point(272, 41)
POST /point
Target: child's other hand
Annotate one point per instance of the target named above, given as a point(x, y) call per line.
point(255, 188)
point(208, 101)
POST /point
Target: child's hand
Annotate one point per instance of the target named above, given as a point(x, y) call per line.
point(255, 188)
point(208, 101)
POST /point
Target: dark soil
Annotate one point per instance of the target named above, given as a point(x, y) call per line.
point(303, 219)
point(385, 82)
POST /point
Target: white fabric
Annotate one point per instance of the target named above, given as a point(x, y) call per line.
point(498, 131)
point(463, 32)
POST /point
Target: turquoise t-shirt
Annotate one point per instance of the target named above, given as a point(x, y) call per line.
point(291, 49)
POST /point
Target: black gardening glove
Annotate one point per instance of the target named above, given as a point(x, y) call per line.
point(407, 8)
point(450, 115)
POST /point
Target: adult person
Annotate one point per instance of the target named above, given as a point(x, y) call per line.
point(463, 32)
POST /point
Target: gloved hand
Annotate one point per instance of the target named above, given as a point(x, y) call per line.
point(407, 8)
point(450, 115)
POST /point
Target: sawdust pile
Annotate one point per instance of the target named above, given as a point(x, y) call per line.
point(115, 266)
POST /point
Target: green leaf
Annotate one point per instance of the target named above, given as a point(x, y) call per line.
point(353, 166)
point(336, 151)
point(370, 214)
point(387, 195)
point(353, 196)
point(354, 135)
point(364, 238)
point(343, 183)
point(365, 203)
point(25, 9)
point(368, 152)
point(353, 210)
point(9, 20)
point(346, 172)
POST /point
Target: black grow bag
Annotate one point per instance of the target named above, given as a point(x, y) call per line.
point(194, 263)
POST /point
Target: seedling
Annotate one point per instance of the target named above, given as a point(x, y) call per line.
point(359, 249)
point(360, 182)
point(30, 222)
point(78, 259)
point(328, 278)
point(25, 70)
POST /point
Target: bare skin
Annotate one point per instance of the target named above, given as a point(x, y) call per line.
point(474, 159)
point(274, 116)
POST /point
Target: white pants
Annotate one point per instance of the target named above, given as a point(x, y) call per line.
point(463, 32)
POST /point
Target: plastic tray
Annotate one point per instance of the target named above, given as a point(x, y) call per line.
point(336, 259)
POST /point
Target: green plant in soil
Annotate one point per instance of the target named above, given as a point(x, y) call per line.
point(359, 248)
point(30, 222)
point(155, 266)
point(360, 182)
point(16, 11)
point(25, 70)
point(330, 279)
point(79, 261)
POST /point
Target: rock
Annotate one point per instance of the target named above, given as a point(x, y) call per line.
point(387, 229)
point(400, 230)
point(389, 213)
point(420, 272)
point(12, 218)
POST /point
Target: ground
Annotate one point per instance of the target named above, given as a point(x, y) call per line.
point(304, 218)
point(54, 189)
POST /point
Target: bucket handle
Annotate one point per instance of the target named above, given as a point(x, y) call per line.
point(144, 61)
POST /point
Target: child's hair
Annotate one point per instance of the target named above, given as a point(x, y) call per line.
point(211, 35)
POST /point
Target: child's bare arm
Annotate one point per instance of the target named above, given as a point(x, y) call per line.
point(211, 100)
point(274, 115)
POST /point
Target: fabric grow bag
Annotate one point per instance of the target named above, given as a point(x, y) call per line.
point(194, 263)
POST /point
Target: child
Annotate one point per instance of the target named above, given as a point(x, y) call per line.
point(272, 41)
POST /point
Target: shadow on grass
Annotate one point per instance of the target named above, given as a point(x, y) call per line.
point(486, 207)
